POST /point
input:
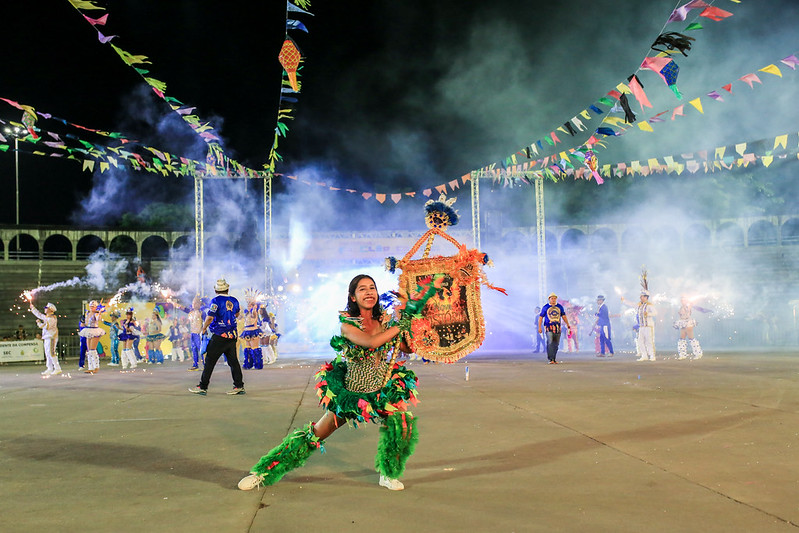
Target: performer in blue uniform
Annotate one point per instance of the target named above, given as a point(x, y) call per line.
point(540, 342)
point(221, 321)
point(113, 331)
point(603, 324)
point(551, 315)
point(83, 348)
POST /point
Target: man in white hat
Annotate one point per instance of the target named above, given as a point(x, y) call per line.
point(49, 324)
point(221, 320)
point(645, 314)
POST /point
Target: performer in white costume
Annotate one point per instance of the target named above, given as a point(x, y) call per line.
point(49, 324)
point(645, 322)
point(93, 332)
point(645, 314)
point(686, 325)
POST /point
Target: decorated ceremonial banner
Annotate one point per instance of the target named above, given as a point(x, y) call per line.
point(451, 325)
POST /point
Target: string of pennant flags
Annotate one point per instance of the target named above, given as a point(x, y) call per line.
point(666, 44)
point(217, 162)
point(560, 166)
point(117, 150)
point(558, 162)
point(131, 154)
point(729, 157)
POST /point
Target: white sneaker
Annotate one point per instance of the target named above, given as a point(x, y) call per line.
point(46, 373)
point(681, 357)
point(390, 484)
point(642, 359)
point(698, 357)
point(253, 481)
point(55, 372)
point(652, 358)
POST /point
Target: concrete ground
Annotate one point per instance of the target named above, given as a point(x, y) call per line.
point(588, 445)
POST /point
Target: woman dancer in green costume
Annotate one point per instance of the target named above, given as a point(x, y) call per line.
point(354, 388)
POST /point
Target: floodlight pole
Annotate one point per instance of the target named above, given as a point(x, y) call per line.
point(268, 232)
point(16, 173)
point(199, 233)
point(540, 237)
point(474, 179)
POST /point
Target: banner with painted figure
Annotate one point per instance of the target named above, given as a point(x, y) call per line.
point(452, 323)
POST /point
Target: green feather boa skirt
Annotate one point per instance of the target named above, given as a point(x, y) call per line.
point(398, 438)
point(389, 405)
point(397, 394)
point(292, 453)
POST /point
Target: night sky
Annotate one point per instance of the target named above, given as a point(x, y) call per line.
point(396, 96)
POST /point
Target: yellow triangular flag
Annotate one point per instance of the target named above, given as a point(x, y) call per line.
point(653, 163)
point(614, 121)
point(772, 69)
point(585, 115)
point(104, 166)
point(645, 126)
point(84, 4)
point(740, 148)
point(697, 104)
point(623, 89)
point(720, 152)
point(781, 140)
point(767, 159)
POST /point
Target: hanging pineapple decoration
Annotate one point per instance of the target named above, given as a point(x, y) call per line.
point(290, 58)
point(452, 323)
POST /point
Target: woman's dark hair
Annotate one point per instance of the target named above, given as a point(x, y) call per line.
point(352, 307)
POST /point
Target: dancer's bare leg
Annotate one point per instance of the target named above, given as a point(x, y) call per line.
point(327, 425)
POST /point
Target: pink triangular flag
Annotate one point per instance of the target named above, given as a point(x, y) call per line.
point(655, 63)
point(639, 93)
point(97, 22)
point(749, 78)
point(677, 111)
